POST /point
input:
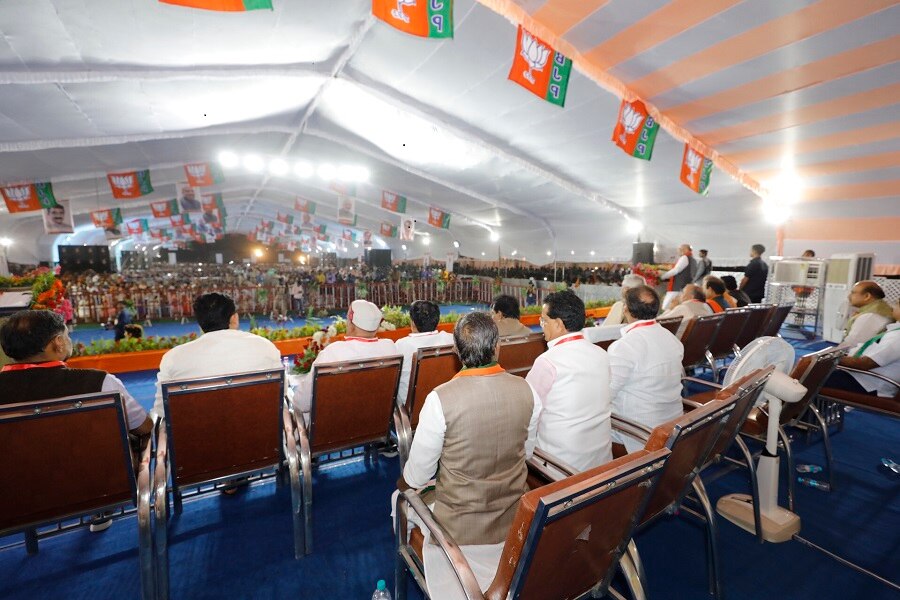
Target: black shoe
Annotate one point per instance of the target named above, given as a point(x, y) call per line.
point(100, 522)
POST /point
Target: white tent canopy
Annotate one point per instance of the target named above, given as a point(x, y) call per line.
point(94, 87)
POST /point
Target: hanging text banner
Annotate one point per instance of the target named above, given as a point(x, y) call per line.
point(438, 218)
point(695, 170)
point(132, 184)
point(423, 18)
point(203, 174)
point(540, 69)
point(635, 131)
point(393, 202)
point(24, 197)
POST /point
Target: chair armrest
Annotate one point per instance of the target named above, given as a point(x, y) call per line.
point(702, 382)
point(628, 427)
point(161, 468)
point(691, 403)
point(546, 459)
point(439, 535)
point(144, 483)
point(869, 374)
point(290, 435)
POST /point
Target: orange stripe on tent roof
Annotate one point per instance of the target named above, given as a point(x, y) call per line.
point(783, 31)
point(869, 162)
point(855, 191)
point(869, 229)
point(669, 21)
point(830, 109)
point(790, 80)
point(830, 141)
point(560, 16)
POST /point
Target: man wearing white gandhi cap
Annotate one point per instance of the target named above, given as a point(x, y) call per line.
point(363, 320)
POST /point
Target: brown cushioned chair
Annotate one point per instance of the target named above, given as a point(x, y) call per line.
point(70, 457)
point(690, 439)
point(352, 404)
point(877, 404)
point(518, 353)
point(565, 540)
point(760, 314)
point(431, 367)
point(722, 345)
point(217, 429)
point(773, 326)
point(697, 337)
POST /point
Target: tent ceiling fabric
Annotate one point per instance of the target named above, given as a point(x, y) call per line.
point(93, 87)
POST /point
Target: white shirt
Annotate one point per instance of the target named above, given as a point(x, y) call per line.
point(865, 327)
point(216, 353)
point(645, 377)
point(691, 309)
point(420, 469)
point(572, 381)
point(351, 348)
point(680, 265)
point(408, 347)
point(134, 412)
point(886, 354)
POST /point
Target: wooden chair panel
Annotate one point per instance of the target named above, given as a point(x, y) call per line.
point(576, 527)
point(773, 326)
point(432, 367)
point(224, 430)
point(352, 403)
point(697, 338)
point(760, 314)
point(65, 461)
point(671, 323)
point(734, 322)
point(517, 354)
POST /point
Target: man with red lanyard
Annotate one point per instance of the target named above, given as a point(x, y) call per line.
point(39, 344)
point(474, 434)
point(645, 368)
point(360, 342)
point(572, 381)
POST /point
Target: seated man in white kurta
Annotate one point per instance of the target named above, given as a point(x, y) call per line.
point(691, 304)
point(360, 342)
point(474, 435)
point(424, 317)
point(616, 315)
point(645, 367)
point(223, 349)
point(572, 381)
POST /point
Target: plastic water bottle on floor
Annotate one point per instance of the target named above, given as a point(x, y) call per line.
point(814, 483)
point(809, 469)
point(381, 591)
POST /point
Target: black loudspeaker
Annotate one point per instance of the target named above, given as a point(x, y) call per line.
point(641, 252)
point(378, 258)
point(75, 259)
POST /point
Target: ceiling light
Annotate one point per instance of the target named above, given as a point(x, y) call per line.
point(482, 253)
point(254, 163)
point(327, 172)
point(228, 159)
point(426, 240)
point(495, 237)
point(403, 246)
point(632, 226)
point(549, 253)
point(572, 252)
point(455, 244)
point(360, 174)
point(345, 173)
point(303, 170)
point(514, 252)
point(593, 253)
point(775, 213)
point(258, 252)
point(278, 167)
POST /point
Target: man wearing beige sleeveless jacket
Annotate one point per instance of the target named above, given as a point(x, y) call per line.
point(474, 435)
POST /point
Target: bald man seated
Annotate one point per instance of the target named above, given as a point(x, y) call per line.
point(873, 314)
point(690, 305)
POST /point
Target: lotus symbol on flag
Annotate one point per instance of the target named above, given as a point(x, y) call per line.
point(630, 121)
point(123, 182)
point(20, 194)
point(197, 171)
point(693, 163)
point(535, 54)
point(435, 215)
point(398, 13)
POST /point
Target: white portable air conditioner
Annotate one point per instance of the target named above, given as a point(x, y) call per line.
point(798, 271)
point(843, 271)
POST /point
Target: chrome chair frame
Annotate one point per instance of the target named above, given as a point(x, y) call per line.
point(141, 481)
